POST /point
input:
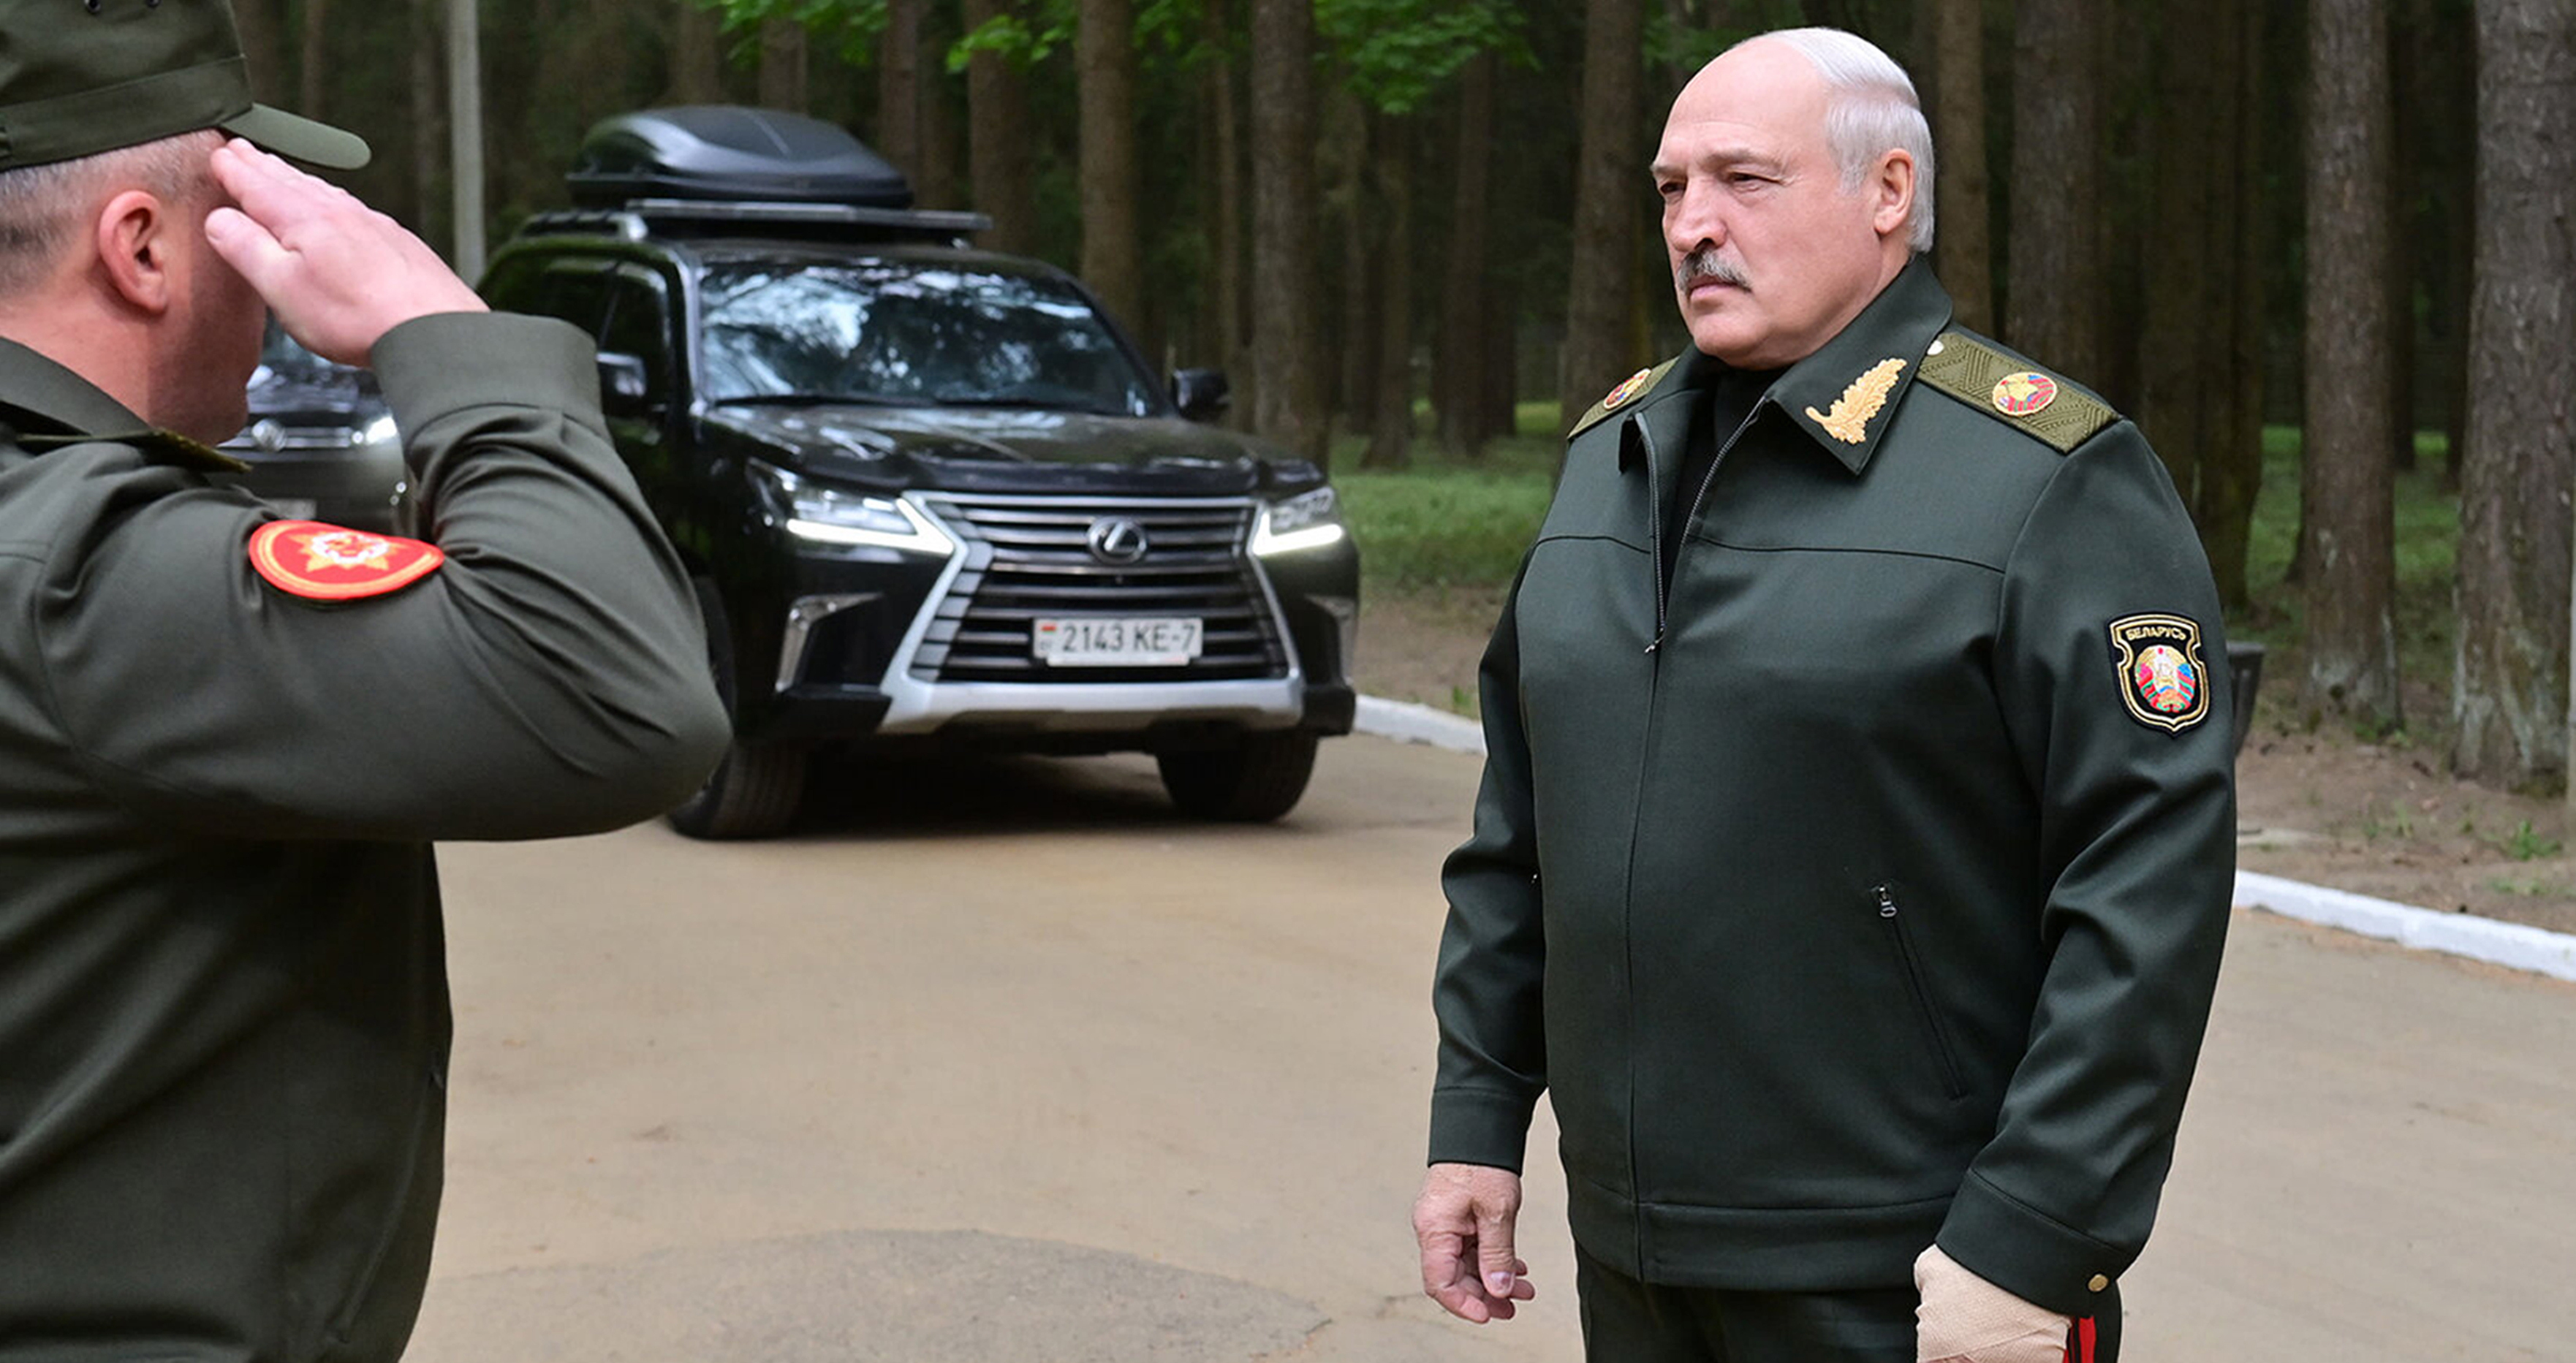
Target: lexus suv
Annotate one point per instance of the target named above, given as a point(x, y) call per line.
point(321, 443)
point(932, 496)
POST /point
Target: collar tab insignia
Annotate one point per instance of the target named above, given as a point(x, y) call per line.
point(2027, 393)
point(2163, 677)
point(1849, 420)
point(333, 563)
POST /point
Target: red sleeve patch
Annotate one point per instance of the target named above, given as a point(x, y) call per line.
point(332, 563)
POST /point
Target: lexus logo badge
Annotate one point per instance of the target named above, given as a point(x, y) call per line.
point(1118, 541)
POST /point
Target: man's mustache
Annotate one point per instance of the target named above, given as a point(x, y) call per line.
point(1707, 263)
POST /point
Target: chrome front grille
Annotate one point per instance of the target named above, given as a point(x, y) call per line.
point(1030, 558)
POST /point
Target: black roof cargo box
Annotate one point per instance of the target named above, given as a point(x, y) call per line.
point(728, 152)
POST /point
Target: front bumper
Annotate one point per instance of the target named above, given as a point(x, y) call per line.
point(858, 646)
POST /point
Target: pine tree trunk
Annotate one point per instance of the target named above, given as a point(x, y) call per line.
point(1963, 246)
point(997, 140)
point(1609, 208)
point(2509, 705)
point(2200, 369)
point(1105, 58)
point(1289, 406)
point(428, 109)
point(782, 66)
point(263, 25)
point(2406, 265)
point(2231, 464)
point(2057, 299)
point(314, 66)
point(1391, 424)
point(1460, 382)
point(898, 131)
point(1226, 236)
point(2347, 497)
point(1349, 135)
point(936, 178)
point(697, 55)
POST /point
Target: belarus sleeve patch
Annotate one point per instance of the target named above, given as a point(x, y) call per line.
point(2162, 675)
point(332, 563)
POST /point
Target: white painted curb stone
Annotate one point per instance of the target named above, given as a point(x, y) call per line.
point(1410, 723)
point(2513, 945)
point(2459, 934)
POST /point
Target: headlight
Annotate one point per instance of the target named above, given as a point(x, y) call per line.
point(1309, 520)
point(829, 516)
point(380, 431)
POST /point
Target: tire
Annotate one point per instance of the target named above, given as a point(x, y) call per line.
point(1256, 779)
point(755, 791)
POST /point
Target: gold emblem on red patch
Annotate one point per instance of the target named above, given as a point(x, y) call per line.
point(1631, 387)
point(333, 563)
point(2027, 393)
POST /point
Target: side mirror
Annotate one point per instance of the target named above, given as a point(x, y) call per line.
point(1200, 393)
point(622, 384)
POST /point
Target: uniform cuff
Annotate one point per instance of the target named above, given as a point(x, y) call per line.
point(446, 362)
point(2038, 1259)
point(1477, 1126)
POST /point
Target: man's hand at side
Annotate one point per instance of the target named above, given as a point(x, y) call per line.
point(1965, 1319)
point(337, 273)
point(1464, 1221)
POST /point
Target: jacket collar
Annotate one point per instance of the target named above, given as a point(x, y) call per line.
point(1845, 394)
point(39, 396)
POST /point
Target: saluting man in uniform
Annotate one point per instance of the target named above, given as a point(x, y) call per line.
point(1856, 840)
point(227, 740)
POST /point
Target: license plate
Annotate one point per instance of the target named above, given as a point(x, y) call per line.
point(1115, 643)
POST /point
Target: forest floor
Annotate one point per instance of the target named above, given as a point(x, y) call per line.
point(2315, 802)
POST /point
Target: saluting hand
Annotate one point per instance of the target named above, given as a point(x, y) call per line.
point(337, 273)
point(1464, 1221)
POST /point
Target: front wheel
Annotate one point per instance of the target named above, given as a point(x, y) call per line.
point(755, 791)
point(1255, 779)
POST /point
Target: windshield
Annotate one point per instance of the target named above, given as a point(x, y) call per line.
point(281, 355)
point(880, 331)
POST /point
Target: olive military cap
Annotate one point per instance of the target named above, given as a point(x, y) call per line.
point(79, 77)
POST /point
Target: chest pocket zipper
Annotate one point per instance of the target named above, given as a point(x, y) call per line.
point(1912, 967)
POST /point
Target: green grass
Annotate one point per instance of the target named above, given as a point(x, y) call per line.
point(1448, 522)
point(2428, 534)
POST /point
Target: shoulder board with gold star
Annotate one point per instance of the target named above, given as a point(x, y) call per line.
point(334, 563)
point(1635, 386)
point(2040, 405)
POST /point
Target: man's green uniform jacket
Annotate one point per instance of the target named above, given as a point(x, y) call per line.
point(223, 1000)
point(1865, 883)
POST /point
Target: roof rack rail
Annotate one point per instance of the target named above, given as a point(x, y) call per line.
point(640, 218)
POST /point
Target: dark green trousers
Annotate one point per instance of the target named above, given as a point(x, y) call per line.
point(1627, 1321)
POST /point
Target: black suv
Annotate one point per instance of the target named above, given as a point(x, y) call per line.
point(320, 444)
point(932, 495)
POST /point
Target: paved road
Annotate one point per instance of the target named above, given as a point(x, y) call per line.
point(1005, 1065)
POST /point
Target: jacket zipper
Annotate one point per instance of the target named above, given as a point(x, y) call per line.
point(1663, 589)
point(1915, 985)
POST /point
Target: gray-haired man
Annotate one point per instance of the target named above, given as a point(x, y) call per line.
point(1854, 850)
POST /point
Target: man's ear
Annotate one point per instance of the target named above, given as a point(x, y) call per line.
point(1891, 192)
point(136, 249)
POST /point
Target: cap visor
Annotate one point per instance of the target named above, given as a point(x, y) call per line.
point(299, 137)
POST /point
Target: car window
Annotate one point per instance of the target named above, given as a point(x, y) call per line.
point(639, 324)
point(576, 291)
point(896, 331)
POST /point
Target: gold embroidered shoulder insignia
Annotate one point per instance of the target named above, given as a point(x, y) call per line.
point(1849, 421)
